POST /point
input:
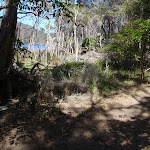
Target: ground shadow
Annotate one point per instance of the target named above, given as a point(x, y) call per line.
point(50, 129)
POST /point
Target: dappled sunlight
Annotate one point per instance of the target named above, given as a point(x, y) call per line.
point(103, 126)
point(82, 133)
point(125, 142)
point(76, 104)
point(40, 134)
point(77, 122)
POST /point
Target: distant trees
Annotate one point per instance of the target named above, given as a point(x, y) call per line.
point(91, 19)
point(97, 19)
point(138, 9)
point(25, 32)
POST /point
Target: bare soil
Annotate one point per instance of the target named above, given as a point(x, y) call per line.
point(119, 121)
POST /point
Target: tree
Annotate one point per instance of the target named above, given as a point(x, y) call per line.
point(133, 42)
point(8, 34)
point(7, 42)
point(137, 9)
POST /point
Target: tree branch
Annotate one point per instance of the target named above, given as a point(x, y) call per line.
point(26, 12)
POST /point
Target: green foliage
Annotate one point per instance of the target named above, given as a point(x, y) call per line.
point(105, 81)
point(93, 76)
point(73, 65)
point(88, 14)
point(136, 31)
point(100, 65)
point(126, 42)
point(131, 45)
point(137, 9)
point(67, 70)
point(89, 42)
point(108, 83)
point(92, 86)
point(28, 67)
point(96, 77)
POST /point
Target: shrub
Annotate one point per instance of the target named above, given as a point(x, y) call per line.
point(89, 42)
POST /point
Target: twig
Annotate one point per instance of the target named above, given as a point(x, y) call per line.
point(147, 69)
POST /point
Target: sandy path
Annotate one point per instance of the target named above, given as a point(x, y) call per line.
point(123, 106)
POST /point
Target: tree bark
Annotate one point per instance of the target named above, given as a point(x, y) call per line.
point(7, 42)
point(144, 50)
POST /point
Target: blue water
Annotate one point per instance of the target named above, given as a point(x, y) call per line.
point(36, 46)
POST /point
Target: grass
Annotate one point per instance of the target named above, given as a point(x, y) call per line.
point(93, 75)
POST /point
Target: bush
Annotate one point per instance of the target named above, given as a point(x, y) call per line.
point(67, 70)
point(119, 58)
point(89, 42)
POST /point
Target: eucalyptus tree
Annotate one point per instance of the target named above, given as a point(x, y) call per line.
point(98, 19)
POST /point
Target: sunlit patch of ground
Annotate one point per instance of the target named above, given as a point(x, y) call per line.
point(76, 104)
point(123, 106)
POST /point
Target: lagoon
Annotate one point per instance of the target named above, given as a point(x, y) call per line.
point(36, 47)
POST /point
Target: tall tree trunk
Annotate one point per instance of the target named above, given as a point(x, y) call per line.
point(7, 42)
point(144, 50)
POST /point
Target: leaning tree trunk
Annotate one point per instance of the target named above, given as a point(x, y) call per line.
point(7, 42)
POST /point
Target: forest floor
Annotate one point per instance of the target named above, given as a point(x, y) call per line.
point(116, 121)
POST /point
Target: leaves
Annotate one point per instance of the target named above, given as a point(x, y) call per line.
point(136, 31)
point(89, 42)
point(137, 9)
point(40, 6)
point(127, 42)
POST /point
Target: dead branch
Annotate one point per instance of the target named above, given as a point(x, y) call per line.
point(39, 64)
point(147, 69)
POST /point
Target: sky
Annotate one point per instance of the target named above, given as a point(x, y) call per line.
point(29, 19)
point(41, 23)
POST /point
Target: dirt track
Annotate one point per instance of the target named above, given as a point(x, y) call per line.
point(83, 122)
point(122, 106)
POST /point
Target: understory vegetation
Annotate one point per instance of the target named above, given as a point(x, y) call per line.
point(54, 82)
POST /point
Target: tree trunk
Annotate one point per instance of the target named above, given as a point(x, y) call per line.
point(144, 50)
point(7, 42)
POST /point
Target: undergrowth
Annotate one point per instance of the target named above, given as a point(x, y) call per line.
point(76, 77)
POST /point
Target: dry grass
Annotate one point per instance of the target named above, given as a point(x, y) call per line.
point(51, 90)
